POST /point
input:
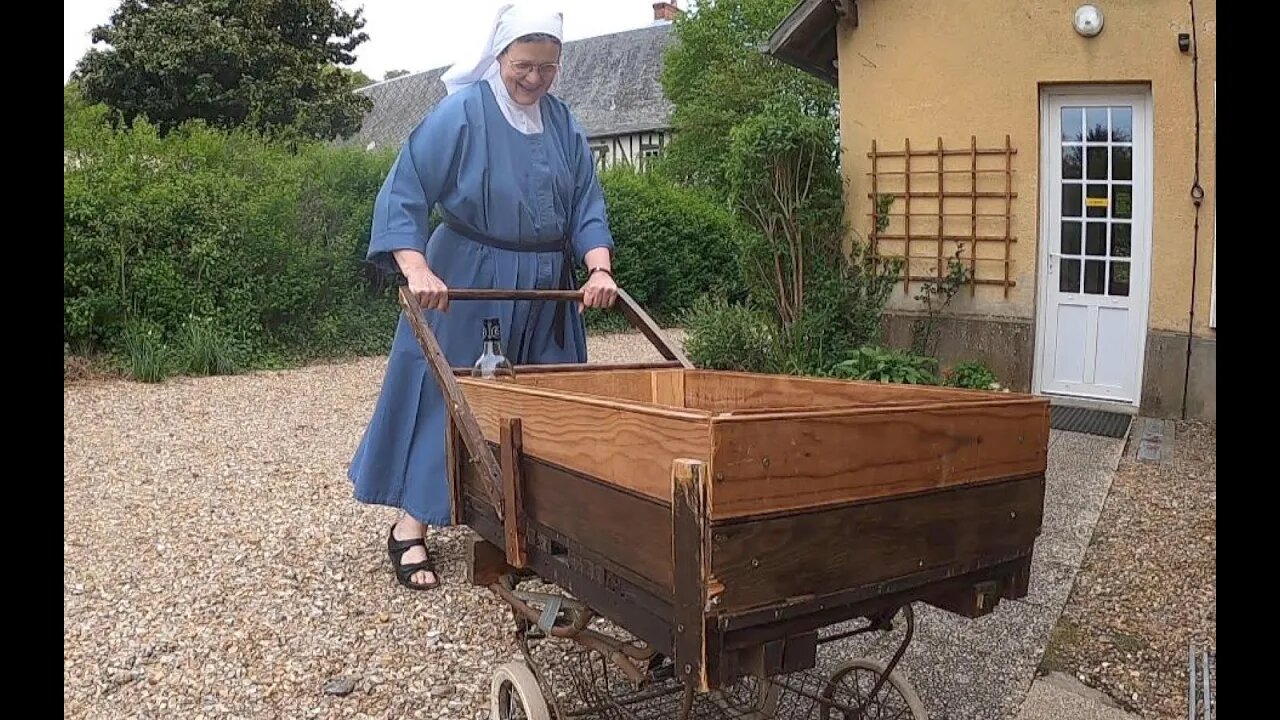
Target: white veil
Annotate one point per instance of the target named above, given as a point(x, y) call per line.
point(512, 21)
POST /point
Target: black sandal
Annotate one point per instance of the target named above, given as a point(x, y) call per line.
point(396, 549)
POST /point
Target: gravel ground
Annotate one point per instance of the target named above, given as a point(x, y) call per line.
point(216, 565)
point(1147, 587)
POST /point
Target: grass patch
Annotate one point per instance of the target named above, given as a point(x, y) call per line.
point(1067, 639)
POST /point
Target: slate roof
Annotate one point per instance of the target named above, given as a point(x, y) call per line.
point(610, 82)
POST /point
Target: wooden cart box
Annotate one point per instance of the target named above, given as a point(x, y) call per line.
point(724, 517)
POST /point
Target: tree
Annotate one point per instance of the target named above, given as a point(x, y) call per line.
point(358, 79)
point(717, 77)
point(270, 65)
point(393, 74)
point(763, 136)
point(785, 183)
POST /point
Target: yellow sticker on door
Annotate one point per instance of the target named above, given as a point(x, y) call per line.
point(1095, 202)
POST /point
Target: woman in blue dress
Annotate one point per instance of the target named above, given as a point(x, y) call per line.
point(511, 172)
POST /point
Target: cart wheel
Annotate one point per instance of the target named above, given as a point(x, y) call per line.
point(855, 680)
point(763, 698)
point(514, 695)
point(766, 704)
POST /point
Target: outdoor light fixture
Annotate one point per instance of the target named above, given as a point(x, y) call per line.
point(1184, 41)
point(1088, 20)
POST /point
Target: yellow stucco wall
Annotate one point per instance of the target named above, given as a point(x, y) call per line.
point(920, 69)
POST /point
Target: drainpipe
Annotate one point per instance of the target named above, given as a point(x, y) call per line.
point(1197, 195)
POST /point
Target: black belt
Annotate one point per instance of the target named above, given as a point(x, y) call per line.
point(560, 245)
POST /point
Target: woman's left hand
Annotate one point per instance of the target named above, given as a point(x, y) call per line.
point(600, 291)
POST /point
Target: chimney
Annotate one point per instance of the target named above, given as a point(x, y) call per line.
point(665, 12)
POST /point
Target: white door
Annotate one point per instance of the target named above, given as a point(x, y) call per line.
point(1094, 244)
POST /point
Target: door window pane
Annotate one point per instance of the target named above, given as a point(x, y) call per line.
point(1121, 163)
point(1121, 201)
point(1097, 165)
point(1094, 270)
point(1120, 239)
point(1070, 238)
point(1096, 201)
point(1121, 124)
point(1072, 162)
point(1119, 279)
point(1095, 239)
point(1071, 199)
point(1069, 276)
point(1095, 124)
point(1072, 119)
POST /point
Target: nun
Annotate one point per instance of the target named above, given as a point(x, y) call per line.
point(508, 166)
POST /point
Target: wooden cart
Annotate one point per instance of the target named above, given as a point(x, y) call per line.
point(715, 523)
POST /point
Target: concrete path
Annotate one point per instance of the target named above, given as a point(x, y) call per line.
point(1061, 697)
point(983, 669)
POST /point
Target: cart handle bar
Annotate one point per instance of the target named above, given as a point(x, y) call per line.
point(638, 318)
point(487, 294)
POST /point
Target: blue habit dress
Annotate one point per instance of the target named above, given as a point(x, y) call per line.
point(519, 209)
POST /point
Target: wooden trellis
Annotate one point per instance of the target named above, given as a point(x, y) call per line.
point(945, 198)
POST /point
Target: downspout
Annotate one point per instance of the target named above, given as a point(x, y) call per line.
point(1197, 195)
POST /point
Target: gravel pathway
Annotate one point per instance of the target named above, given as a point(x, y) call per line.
point(216, 565)
point(1148, 584)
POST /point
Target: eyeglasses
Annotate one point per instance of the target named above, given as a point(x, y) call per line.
point(523, 68)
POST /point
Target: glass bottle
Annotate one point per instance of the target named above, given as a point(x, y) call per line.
point(492, 363)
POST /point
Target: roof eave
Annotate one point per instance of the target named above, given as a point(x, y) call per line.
point(806, 38)
point(625, 130)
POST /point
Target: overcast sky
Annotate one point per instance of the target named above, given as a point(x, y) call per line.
point(412, 35)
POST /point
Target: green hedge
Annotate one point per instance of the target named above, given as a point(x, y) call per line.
point(203, 242)
point(673, 244)
point(203, 251)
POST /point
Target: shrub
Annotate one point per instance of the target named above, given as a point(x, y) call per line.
point(724, 336)
point(235, 251)
point(888, 365)
point(673, 245)
point(204, 350)
point(973, 375)
point(145, 356)
point(818, 303)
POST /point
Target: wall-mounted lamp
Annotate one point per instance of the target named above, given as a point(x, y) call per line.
point(1184, 41)
point(1088, 20)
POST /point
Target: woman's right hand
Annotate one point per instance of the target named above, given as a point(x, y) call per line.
point(431, 292)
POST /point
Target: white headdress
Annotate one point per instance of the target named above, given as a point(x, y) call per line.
point(511, 22)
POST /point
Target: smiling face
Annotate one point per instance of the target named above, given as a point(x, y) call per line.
point(529, 66)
